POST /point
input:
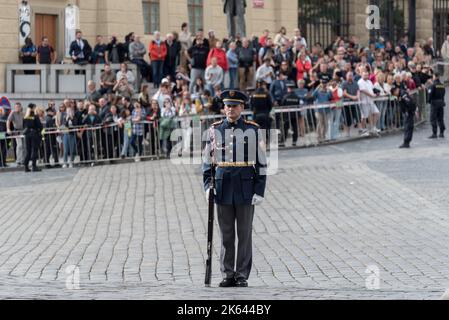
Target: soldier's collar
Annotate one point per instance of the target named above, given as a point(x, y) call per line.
point(234, 123)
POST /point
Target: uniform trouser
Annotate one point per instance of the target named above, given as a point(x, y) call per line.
point(31, 148)
point(409, 123)
point(437, 119)
point(227, 217)
point(290, 119)
point(264, 121)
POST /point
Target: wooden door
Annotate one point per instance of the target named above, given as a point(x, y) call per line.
point(45, 26)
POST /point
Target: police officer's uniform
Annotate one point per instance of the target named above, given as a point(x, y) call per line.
point(238, 178)
point(408, 109)
point(261, 105)
point(291, 99)
point(32, 128)
point(436, 98)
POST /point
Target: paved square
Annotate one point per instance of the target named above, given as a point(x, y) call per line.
point(139, 230)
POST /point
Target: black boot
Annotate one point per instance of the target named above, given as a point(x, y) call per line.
point(433, 136)
point(442, 135)
point(27, 169)
point(241, 283)
point(404, 146)
point(227, 283)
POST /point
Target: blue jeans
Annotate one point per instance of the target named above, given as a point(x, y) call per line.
point(334, 121)
point(136, 144)
point(69, 142)
point(158, 72)
point(233, 75)
point(125, 148)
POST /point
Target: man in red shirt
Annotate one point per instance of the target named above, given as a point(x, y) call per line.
point(158, 52)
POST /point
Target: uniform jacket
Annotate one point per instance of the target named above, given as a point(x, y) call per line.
point(407, 104)
point(290, 100)
point(234, 185)
point(261, 102)
point(436, 94)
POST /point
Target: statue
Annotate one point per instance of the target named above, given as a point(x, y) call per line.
point(235, 11)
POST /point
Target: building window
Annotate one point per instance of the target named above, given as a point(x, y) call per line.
point(323, 21)
point(440, 22)
point(195, 8)
point(394, 18)
point(151, 21)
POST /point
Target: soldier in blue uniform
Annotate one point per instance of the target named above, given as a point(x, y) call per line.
point(236, 150)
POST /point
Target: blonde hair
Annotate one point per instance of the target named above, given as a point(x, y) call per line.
point(40, 109)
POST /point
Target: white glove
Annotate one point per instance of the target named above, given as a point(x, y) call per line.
point(208, 193)
point(257, 200)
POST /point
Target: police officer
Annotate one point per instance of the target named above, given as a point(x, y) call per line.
point(261, 105)
point(240, 185)
point(408, 109)
point(291, 99)
point(32, 128)
point(437, 92)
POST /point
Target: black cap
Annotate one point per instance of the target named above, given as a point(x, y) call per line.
point(233, 97)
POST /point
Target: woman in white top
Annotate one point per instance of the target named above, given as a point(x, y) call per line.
point(383, 104)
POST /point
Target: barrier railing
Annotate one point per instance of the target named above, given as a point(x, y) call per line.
point(300, 126)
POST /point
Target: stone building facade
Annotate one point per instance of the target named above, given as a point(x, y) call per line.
point(107, 17)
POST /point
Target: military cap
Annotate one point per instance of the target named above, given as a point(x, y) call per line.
point(233, 97)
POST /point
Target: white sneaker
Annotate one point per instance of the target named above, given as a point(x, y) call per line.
point(365, 133)
point(137, 159)
point(71, 166)
point(64, 166)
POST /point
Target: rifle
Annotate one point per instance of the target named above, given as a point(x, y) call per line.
point(210, 229)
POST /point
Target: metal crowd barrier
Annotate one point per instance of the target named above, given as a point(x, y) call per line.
point(85, 145)
point(300, 126)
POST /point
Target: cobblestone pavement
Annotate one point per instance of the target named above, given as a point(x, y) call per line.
point(138, 231)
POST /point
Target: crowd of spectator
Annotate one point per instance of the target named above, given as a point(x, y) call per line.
point(189, 72)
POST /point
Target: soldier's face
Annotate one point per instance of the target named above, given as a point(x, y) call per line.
point(233, 112)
